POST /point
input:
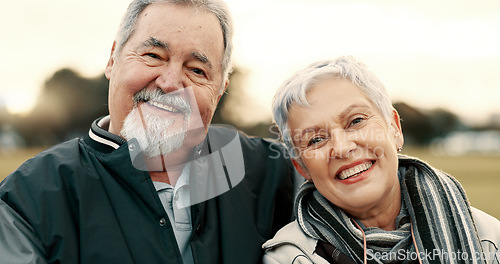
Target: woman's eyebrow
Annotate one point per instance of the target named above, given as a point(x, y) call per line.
point(311, 129)
point(351, 108)
point(342, 116)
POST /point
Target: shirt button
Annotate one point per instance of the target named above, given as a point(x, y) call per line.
point(162, 222)
point(131, 147)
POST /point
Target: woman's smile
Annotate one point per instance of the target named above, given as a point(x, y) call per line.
point(351, 173)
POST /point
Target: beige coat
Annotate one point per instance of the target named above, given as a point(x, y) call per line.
point(292, 246)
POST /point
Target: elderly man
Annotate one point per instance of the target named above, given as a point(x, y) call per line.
point(152, 183)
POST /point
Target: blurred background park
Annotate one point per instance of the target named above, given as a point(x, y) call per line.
point(439, 60)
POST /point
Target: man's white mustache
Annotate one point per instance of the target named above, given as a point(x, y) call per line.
point(174, 99)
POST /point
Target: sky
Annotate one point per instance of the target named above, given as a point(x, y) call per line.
point(428, 53)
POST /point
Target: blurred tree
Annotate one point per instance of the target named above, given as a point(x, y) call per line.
point(5, 118)
point(444, 122)
point(416, 125)
point(229, 108)
point(422, 127)
point(9, 139)
point(69, 103)
point(65, 108)
point(225, 112)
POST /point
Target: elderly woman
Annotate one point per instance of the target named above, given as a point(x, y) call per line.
point(362, 202)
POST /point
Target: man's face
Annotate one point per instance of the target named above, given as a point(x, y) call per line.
point(173, 50)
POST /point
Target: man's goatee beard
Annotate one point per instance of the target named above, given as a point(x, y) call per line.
point(153, 132)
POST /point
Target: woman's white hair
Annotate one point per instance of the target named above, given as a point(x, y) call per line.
point(216, 7)
point(294, 90)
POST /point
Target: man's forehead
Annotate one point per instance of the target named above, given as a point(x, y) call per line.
point(173, 8)
point(172, 21)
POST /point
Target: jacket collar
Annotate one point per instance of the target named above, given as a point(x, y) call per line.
point(101, 139)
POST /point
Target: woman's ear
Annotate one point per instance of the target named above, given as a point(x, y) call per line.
point(398, 131)
point(302, 171)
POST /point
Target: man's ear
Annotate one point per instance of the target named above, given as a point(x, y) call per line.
point(111, 62)
point(302, 171)
point(223, 91)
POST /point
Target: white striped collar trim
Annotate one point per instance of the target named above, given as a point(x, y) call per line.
point(103, 122)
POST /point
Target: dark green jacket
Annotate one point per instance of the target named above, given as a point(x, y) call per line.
point(82, 201)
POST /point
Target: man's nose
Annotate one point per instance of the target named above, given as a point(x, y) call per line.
point(171, 78)
point(342, 145)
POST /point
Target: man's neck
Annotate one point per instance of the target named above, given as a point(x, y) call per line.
point(168, 168)
point(169, 177)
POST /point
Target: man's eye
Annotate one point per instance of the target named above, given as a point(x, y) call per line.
point(199, 71)
point(152, 55)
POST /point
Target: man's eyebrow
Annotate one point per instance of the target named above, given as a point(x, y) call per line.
point(201, 58)
point(153, 42)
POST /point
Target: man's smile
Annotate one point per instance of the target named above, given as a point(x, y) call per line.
point(164, 107)
point(173, 102)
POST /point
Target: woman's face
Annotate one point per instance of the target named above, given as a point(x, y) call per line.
point(348, 148)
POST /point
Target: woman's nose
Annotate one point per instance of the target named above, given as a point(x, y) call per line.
point(341, 144)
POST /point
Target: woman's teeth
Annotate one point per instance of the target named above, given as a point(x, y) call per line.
point(355, 170)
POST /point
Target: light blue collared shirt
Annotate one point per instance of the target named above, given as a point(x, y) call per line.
point(176, 201)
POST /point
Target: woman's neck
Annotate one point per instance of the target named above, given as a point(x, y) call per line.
point(383, 215)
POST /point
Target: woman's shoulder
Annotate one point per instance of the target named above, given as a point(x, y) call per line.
point(488, 229)
point(291, 234)
point(487, 225)
point(291, 245)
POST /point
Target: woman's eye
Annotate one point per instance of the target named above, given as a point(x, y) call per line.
point(356, 121)
point(314, 141)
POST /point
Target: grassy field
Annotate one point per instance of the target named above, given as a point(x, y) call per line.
point(479, 174)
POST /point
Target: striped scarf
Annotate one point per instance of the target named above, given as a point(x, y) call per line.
point(435, 202)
